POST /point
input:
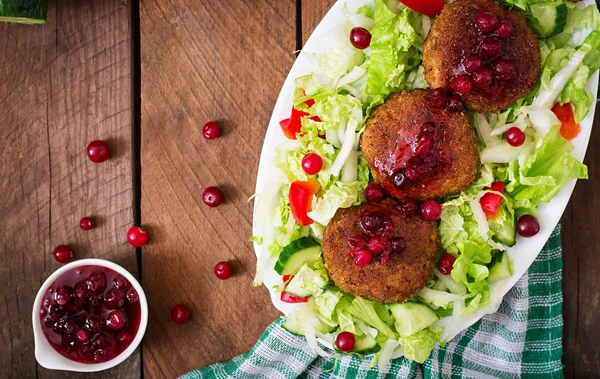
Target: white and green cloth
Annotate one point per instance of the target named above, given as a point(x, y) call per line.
point(522, 340)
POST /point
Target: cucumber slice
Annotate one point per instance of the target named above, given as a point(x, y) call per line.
point(23, 11)
point(500, 268)
point(302, 251)
point(295, 322)
point(366, 344)
point(306, 283)
point(548, 19)
point(412, 317)
point(503, 226)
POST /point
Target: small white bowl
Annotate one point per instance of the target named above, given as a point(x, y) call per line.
point(51, 359)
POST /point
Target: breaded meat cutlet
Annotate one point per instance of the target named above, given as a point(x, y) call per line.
point(402, 276)
point(508, 49)
point(418, 151)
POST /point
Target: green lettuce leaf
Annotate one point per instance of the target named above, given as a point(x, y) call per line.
point(418, 346)
point(365, 310)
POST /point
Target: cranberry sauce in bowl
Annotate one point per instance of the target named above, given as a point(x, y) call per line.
point(90, 312)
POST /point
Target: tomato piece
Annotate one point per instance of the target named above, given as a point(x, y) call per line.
point(569, 128)
point(490, 202)
point(293, 125)
point(287, 297)
point(430, 8)
point(301, 195)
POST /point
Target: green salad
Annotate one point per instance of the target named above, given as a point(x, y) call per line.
point(329, 113)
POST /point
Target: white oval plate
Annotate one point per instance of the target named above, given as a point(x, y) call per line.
point(522, 254)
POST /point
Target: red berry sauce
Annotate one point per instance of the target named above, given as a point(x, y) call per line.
point(87, 317)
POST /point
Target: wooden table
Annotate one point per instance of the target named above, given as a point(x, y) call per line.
point(146, 77)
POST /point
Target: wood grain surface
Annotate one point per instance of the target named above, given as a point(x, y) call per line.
point(202, 61)
point(63, 85)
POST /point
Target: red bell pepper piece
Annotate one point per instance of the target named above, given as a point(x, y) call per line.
point(301, 196)
point(569, 128)
point(429, 8)
point(293, 125)
point(287, 297)
point(490, 202)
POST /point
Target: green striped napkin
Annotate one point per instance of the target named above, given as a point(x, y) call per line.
point(522, 340)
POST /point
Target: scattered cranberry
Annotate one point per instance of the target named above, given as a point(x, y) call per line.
point(424, 144)
point(62, 254)
point(483, 78)
point(132, 296)
point(180, 314)
point(212, 196)
point(490, 46)
point(360, 38)
point(345, 341)
point(312, 163)
point(98, 151)
point(401, 181)
point(437, 98)
point(408, 205)
point(431, 210)
point(398, 244)
point(211, 130)
point(357, 241)
point(86, 223)
point(125, 338)
point(515, 137)
point(462, 84)
point(528, 226)
point(223, 270)
point(455, 104)
point(504, 70)
point(445, 264)
point(114, 299)
point(137, 236)
point(121, 283)
point(374, 193)
point(82, 335)
point(363, 259)
point(486, 22)
point(504, 29)
point(116, 320)
point(472, 64)
point(62, 296)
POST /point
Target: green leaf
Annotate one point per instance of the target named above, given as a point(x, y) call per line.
point(418, 346)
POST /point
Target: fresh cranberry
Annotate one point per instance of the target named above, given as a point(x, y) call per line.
point(483, 78)
point(357, 241)
point(223, 270)
point(372, 222)
point(93, 324)
point(120, 282)
point(86, 223)
point(455, 104)
point(82, 335)
point(124, 338)
point(180, 314)
point(116, 320)
point(345, 341)
point(96, 283)
point(211, 130)
point(490, 46)
point(408, 205)
point(428, 127)
point(504, 70)
point(515, 137)
point(462, 84)
point(114, 299)
point(528, 226)
point(62, 296)
point(363, 259)
point(360, 38)
point(486, 22)
point(132, 296)
point(98, 151)
point(472, 64)
point(374, 193)
point(504, 29)
point(398, 244)
point(445, 264)
point(401, 181)
point(431, 210)
point(378, 244)
point(424, 144)
point(212, 196)
point(437, 98)
point(137, 236)
point(312, 163)
point(62, 254)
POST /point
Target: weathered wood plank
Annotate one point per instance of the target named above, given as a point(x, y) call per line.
point(201, 61)
point(64, 84)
